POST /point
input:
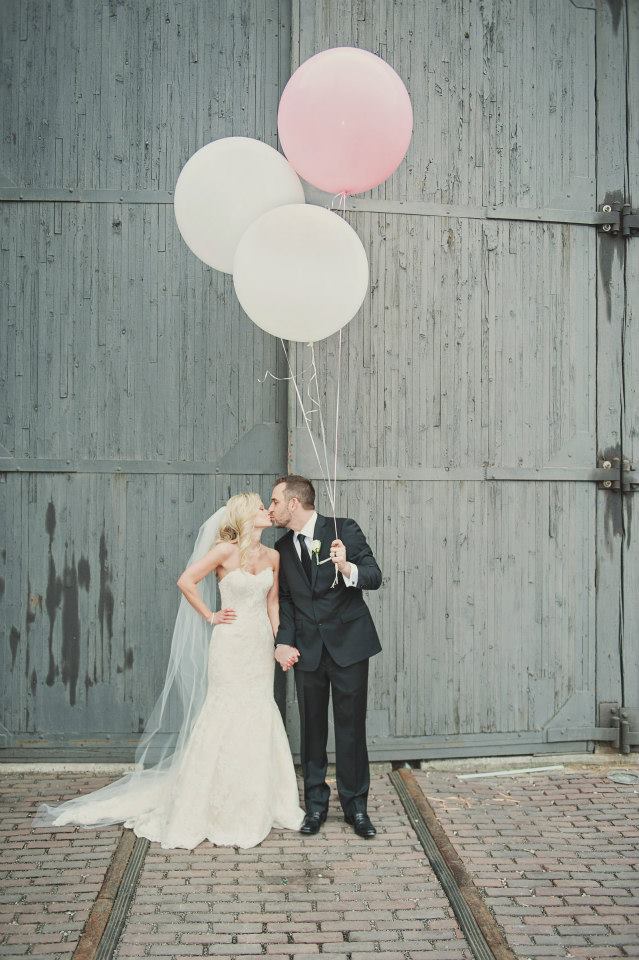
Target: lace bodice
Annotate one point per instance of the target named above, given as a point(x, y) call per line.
point(245, 591)
point(243, 648)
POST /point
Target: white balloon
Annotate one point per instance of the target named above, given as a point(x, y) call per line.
point(300, 272)
point(223, 188)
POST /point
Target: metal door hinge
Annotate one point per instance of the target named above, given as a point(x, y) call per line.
point(622, 475)
point(625, 222)
point(620, 722)
point(614, 728)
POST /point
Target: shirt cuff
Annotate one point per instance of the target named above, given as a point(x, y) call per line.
point(352, 580)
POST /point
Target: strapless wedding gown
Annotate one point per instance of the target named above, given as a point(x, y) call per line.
point(236, 779)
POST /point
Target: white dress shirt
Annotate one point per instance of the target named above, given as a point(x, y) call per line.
point(308, 530)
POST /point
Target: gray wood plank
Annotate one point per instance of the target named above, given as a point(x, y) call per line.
point(630, 388)
point(476, 347)
point(610, 296)
point(120, 343)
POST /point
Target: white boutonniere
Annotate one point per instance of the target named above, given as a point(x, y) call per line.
point(316, 546)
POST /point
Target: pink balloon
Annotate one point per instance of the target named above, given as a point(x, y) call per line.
point(345, 120)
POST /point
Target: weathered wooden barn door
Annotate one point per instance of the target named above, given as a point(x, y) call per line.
point(129, 394)
point(487, 380)
point(626, 275)
point(483, 389)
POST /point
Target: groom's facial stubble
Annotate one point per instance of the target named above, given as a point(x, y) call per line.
point(278, 510)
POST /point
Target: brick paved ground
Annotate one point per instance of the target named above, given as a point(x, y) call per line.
point(291, 896)
point(48, 879)
point(333, 893)
point(556, 855)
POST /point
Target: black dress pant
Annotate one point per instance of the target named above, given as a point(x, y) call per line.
point(349, 688)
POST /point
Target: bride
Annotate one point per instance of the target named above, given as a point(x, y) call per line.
point(213, 762)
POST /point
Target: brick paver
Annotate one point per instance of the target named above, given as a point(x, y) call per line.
point(555, 854)
point(48, 878)
point(333, 893)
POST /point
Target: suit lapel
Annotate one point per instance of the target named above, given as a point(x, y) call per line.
point(322, 531)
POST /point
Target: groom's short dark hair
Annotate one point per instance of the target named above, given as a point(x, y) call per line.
point(300, 487)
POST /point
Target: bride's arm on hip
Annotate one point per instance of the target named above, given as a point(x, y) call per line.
point(273, 596)
point(187, 581)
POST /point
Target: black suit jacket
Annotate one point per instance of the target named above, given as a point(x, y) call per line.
point(312, 613)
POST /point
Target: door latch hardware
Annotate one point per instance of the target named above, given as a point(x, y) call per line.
point(625, 221)
point(622, 475)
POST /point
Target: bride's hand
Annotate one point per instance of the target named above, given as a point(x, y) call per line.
point(286, 655)
point(225, 615)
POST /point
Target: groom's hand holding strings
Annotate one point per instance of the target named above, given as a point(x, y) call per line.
point(338, 556)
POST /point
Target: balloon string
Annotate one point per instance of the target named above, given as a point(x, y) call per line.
point(321, 418)
point(339, 377)
point(331, 489)
point(339, 369)
point(297, 391)
point(342, 201)
point(334, 485)
point(274, 377)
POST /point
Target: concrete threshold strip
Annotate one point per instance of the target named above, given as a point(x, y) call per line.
point(104, 925)
point(602, 758)
point(482, 932)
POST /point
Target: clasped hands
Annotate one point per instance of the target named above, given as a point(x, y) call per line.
point(288, 655)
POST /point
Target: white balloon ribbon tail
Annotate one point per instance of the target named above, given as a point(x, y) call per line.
point(341, 206)
point(317, 408)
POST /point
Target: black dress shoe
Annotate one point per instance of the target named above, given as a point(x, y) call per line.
point(361, 824)
point(312, 821)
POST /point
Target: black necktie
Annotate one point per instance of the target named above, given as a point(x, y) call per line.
point(306, 560)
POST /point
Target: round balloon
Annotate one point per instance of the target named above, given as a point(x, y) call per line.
point(223, 188)
point(300, 272)
point(345, 120)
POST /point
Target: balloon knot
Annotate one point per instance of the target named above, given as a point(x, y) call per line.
point(342, 201)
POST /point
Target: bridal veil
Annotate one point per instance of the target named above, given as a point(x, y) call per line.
point(161, 746)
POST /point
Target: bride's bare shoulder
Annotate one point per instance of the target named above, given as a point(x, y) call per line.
point(224, 548)
point(224, 551)
point(221, 551)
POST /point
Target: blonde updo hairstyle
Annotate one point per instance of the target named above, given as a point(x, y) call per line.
point(237, 524)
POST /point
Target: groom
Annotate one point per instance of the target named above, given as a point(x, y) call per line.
point(328, 634)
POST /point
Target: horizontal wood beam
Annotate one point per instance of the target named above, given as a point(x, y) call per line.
point(27, 465)
point(421, 208)
point(258, 452)
point(98, 748)
point(79, 195)
point(438, 474)
point(424, 208)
